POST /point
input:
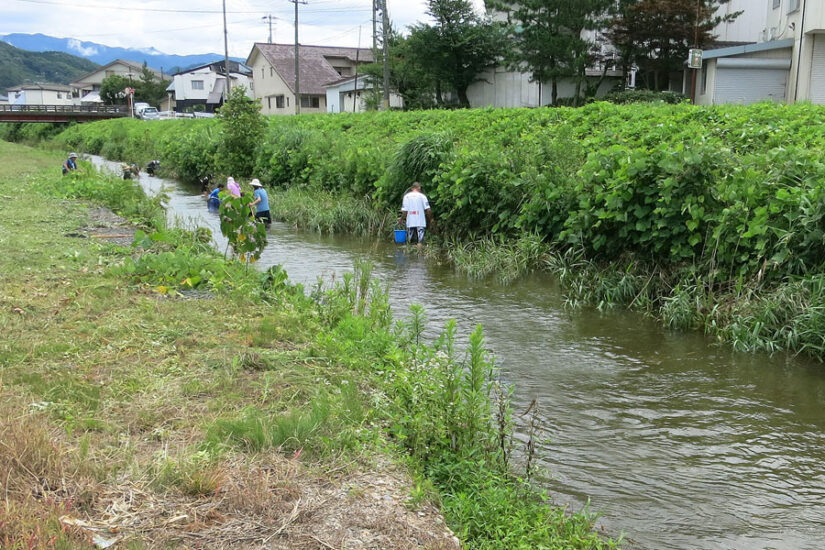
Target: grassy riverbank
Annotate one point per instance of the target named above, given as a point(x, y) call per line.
point(162, 395)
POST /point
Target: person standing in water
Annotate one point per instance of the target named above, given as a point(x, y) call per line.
point(416, 207)
point(261, 202)
point(232, 187)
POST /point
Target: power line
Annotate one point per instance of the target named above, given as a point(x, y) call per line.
point(124, 8)
point(192, 27)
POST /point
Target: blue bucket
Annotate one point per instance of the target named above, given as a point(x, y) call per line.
point(400, 236)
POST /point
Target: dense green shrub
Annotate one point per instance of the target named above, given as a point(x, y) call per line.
point(644, 96)
point(241, 129)
point(280, 158)
point(734, 191)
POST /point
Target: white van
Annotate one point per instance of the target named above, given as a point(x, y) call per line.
point(139, 107)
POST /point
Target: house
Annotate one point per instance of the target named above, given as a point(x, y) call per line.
point(203, 88)
point(785, 62)
point(90, 82)
point(4, 99)
point(273, 67)
point(41, 94)
point(350, 95)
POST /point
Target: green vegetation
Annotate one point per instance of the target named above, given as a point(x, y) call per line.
point(21, 67)
point(148, 87)
point(696, 215)
point(173, 417)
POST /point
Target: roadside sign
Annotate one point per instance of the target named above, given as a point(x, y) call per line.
point(695, 58)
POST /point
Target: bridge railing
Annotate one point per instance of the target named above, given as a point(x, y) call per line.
point(66, 109)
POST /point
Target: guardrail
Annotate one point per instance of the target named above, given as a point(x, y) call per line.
point(106, 109)
point(60, 113)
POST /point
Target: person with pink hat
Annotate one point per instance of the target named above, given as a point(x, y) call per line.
point(233, 188)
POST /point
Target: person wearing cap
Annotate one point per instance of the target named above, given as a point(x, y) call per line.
point(71, 164)
point(416, 207)
point(233, 188)
point(261, 202)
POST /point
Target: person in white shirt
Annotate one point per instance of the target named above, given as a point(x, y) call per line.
point(417, 209)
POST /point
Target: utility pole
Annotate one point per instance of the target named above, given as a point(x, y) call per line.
point(270, 17)
point(376, 7)
point(225, 55)
point(695, 45)
point(297, 64)
point(355, 84)
point(385, 18)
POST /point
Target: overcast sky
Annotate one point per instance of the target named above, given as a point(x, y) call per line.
point(196, 26)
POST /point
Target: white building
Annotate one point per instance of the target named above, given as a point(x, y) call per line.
point(204, 87)
point(785, 62)
point(503, 87)
point(41, 94)
point(349, 95)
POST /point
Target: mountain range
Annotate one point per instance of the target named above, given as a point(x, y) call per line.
point(21, 67)
point(102, 54)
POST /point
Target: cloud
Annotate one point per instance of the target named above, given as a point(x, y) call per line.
point(76, 45)
point(322, 22)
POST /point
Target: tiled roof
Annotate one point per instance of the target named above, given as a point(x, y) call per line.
point(42, 86)
point(315, 68)
point(138, 67)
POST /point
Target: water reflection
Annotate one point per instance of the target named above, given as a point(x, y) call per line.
point(677, 442)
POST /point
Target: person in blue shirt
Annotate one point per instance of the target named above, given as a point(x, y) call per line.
point(213, 202)
point(71, 164)
point(261, 202)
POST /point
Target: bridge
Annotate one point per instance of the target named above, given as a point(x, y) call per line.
point(60, 113)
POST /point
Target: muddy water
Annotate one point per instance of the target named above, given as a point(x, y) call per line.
point(676, 442)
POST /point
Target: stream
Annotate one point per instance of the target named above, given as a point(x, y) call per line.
point(675, 441)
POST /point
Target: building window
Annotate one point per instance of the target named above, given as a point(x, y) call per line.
point(110, 73)
point(262, 72)
point(59, 95)
point(271, 71)
point(793, 5)
point(704, 78)
point(197, 84)
point(279, 101)
point(269, 103)
point(310, 102)
point(776, 3)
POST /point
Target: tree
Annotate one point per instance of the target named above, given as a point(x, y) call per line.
point(457, 47)
point(242, 129)
point(149, 87)
point(549, 38)
point(655, 35)
point(112, 89)
point(407, 77)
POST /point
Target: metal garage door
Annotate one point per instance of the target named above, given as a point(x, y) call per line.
point(818, 70)
point(746, 81)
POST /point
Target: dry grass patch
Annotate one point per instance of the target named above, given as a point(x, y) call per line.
point(39, 485)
